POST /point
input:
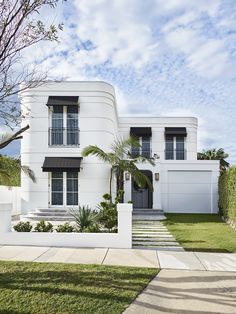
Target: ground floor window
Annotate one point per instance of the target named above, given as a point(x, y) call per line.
point(64, 188)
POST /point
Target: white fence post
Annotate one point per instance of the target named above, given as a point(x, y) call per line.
point(5, 217)
point(125, 223)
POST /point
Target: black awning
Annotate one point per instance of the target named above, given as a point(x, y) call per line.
point(176, 131)
point(61, 164)
point(62, 100)
point(140, 131)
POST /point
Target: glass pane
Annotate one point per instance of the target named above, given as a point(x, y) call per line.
point(72, 136)
point(169, 147)
point(57, 136)
point(72, 198)
point(72, 188)
point(57, 198)
point(73, 175)
point(135, 151)
point(146, 146)
point(57, 174)
point(57, 126)
point(180, 148)
point(57, 185)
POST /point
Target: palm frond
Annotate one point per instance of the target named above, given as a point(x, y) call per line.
point(94, 150)
point(29, 172)
point(122, 147)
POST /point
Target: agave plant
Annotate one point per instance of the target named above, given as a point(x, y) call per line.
point(85, 218)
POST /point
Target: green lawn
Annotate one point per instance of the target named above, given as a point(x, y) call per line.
point(201, 232)
point(67, 288)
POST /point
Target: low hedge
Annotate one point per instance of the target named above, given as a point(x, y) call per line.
point(227, 193)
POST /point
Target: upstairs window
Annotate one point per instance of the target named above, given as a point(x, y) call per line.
point(144, 137)
point(64, 122)
point(175, 143)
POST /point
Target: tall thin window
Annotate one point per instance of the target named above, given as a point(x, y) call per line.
point(146, 146)
point(72, 188)
point(72, 125)
point(57, 188)
point(169, 147)
point(180, 152)
point(57, 125)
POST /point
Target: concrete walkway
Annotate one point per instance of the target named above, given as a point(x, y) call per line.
point(153, 235)
point(122, 257)
point(187, 292)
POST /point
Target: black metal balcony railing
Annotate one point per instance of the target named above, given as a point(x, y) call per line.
point(141, 152)
point(176, 154)
point(63, 136)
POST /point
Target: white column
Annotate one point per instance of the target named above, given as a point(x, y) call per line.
point(127, 189)
point(125, 223)
point(5, 217)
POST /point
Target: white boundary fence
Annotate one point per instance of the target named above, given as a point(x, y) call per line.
point(10, 195)
point(121, 239)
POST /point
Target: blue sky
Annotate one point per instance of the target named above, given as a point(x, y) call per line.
point(164, 57)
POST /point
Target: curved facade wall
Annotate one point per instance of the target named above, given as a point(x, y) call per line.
point(97, 124)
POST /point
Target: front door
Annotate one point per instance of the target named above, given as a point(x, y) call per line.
point(64, 188)
point(142, 197)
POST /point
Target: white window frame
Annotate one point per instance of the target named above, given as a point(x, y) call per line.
point(64, 126)
point(174, 148)
point(64, 191)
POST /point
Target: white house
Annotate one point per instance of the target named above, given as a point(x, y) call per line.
point(67, 116)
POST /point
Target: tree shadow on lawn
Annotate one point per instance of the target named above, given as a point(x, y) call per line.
point(79, 283)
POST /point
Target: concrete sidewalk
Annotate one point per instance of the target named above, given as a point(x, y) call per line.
point(122, 257)
point(187, 292)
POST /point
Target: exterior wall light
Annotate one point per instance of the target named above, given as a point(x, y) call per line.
point(127, 176)
point(157, 176)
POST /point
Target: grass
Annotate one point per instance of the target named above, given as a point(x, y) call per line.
point(66, 288)
point(201, 232)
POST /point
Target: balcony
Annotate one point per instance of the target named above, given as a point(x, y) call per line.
point(63, 137)
point(176, 154)
point(141, 152)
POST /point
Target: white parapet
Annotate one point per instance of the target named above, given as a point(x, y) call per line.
point(121, 239)
point(5, 217)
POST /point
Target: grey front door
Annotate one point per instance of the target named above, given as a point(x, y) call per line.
point(140, 198)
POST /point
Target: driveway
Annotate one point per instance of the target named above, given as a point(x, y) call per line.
point(188, 292)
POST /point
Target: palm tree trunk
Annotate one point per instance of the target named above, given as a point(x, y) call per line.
point(110, 184)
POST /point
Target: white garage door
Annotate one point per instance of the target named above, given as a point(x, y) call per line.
point(189, 191)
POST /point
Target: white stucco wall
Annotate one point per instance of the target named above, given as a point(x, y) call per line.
point(158, 125)
point(97, 124)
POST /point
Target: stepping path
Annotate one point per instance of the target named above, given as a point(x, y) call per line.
point(147, 234)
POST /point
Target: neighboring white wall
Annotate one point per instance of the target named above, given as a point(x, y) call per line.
point(122, 239)
point(11, 195)
point(98, 125)
point(158, 125)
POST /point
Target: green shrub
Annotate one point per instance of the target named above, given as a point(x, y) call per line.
point(107, 215)
point(93, 228)
point(43, 227)
point(23, 226)
point(84, 218)
point(66, 227)
point(227, 193)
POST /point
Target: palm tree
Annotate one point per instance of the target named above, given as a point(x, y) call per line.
point(215, 154)
point(120, 160)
